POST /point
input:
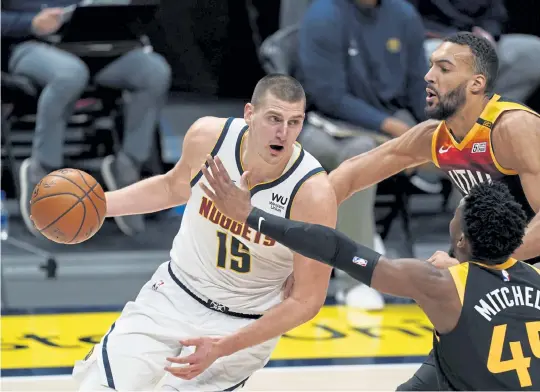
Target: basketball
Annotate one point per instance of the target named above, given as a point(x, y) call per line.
point(68, 206)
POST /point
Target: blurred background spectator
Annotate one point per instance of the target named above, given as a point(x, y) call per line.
point(363, 63)
point(62, 78)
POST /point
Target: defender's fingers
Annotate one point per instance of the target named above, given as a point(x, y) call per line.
point(222, 171)
point(209, 176)
point(208, 192)
point(214, 183)
point(212, 165)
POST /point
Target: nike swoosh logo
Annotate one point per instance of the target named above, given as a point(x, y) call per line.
point(260, 221)
point(442, 150)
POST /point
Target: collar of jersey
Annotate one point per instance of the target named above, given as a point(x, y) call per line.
point(507, 264)
point(293, 163)
point(472, 132)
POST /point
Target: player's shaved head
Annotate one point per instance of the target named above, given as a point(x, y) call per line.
point(283, 87)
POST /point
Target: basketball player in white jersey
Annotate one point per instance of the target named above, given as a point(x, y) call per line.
point(224, 281)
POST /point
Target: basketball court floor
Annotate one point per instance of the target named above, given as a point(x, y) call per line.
point(342, 349)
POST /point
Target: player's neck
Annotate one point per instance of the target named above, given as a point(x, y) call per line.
point(461, 123)
point(260, 170)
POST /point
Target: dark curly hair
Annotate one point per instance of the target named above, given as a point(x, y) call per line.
point(493, 222)
point(486, 61)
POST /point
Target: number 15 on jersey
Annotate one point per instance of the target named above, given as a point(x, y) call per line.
point(232, 254)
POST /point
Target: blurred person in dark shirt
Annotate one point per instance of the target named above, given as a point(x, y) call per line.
point(64, 77)
point(361, 61)
point(519, 54)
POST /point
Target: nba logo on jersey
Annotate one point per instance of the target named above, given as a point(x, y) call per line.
point(359, 261)
point(479, 147)
point(506, 276)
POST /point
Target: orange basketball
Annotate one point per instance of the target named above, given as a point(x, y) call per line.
point(68, 206)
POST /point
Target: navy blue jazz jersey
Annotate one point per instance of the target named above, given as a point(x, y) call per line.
point(496, 343)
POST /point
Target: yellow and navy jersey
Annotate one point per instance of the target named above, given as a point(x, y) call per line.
point(496, 342)
point(473, 160)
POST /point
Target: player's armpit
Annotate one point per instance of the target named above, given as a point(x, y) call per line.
point(516, 144)
point(409, 150)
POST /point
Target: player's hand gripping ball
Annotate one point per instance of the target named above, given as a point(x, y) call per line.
point(68, 206)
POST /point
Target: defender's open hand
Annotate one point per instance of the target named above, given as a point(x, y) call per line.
point(232, 201)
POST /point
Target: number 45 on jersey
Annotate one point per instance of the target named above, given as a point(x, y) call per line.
point(519, 362)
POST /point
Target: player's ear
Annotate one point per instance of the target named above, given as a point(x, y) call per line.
point(248, 113)
point(478, 84)
point(461, 242)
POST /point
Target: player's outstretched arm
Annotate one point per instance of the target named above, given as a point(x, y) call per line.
point(516, 142)
point(411, 149)
point(431, 287)
point(172, 188)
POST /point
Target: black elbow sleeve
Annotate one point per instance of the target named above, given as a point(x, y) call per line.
point(355, 259)
point(337, 250)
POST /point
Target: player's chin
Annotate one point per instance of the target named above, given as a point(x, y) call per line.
point(431, 110)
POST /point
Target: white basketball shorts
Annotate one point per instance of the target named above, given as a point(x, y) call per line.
point(132, 355)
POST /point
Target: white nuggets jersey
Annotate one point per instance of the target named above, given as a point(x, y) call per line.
point(225, 261)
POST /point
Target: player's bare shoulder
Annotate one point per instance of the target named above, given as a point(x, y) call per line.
point(204, 133)
point(198, 142)
point(518, 123)
point(316, 201)
point(516, 139)
point(201, 138)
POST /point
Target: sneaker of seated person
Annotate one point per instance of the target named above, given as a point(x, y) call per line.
point(30, 174)
point(118, 172)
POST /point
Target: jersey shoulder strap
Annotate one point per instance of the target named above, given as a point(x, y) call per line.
point(504, 104)
point(225, 143)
